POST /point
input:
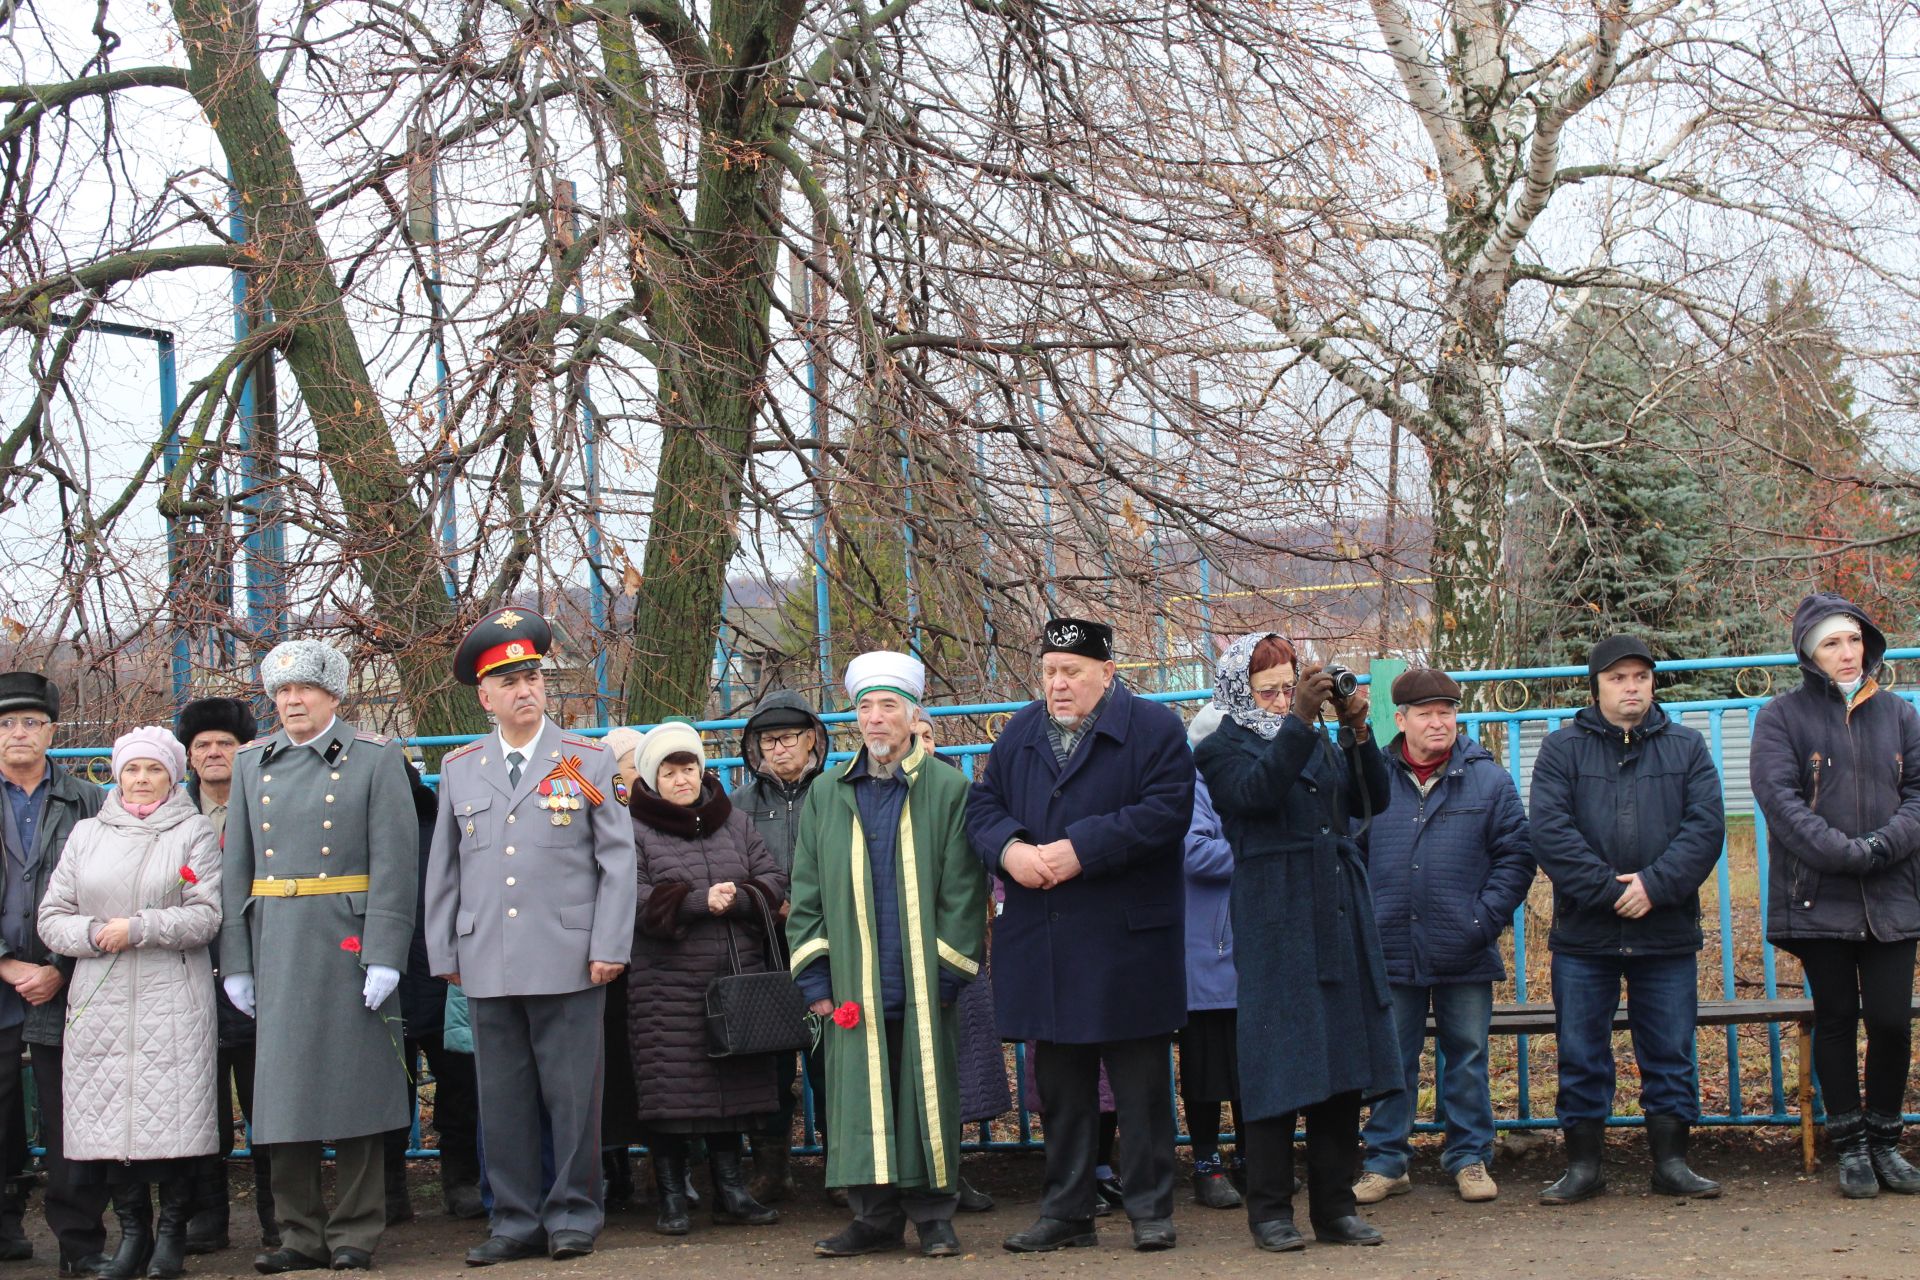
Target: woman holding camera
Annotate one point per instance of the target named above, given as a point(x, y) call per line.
point(1316, 1032)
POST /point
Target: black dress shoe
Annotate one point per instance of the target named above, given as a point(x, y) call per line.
point(1351, 1229)
point(1108, 1194)
point(274, 1261)
point(569, 1244)
point(857, 1238)
point(973, 1199)
point(348, 1258)
point(937, 1239)
point(1048, 1234)
point(1150, 1235)
point(87, 1266)
point(501, 1249)
point(1278, 1235)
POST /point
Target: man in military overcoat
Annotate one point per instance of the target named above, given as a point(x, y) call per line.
point(321, 865)
point(530, 901)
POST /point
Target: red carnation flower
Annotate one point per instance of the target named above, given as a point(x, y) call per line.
point(186, 875)
point(847, 1015)
point(350, 944)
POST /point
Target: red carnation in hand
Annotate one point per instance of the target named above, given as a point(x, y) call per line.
point(350, 944)
point(186, 875)
point(847, 1015)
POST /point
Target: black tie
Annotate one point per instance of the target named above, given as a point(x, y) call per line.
point(514, 761)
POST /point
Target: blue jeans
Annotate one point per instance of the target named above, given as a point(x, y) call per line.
point(1662, 999)
point(1462, 1013)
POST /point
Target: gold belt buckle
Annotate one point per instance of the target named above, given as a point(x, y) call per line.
point(289, 888)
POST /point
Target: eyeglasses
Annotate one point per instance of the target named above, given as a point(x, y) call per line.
point(1273, 691)
point(29, 724)
point(769, 739)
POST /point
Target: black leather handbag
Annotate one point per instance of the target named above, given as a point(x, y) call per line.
point(751, 1013)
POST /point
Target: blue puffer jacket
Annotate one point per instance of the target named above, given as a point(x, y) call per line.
point(1608, 801)
point(1448, 868)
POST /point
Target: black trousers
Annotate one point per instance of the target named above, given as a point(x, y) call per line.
point(233, 1078)
point(1851, 982)
point(456, 1114)
point(73, 1210)
point(1333, 1161)
point(1141, 1074)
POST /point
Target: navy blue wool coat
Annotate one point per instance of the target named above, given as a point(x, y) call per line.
point(1315, 1018)
point(1448, 869)
point(1101, 957)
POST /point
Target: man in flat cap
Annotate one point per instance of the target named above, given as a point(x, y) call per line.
point(530, 902)
point(888, 923)
point(213, 730)
point(1448, 864)
point(1083, 813)
point(321, 859)
point(43, 802)
point(1627, 822)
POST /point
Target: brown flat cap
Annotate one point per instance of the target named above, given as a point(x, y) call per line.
point(1424, 684)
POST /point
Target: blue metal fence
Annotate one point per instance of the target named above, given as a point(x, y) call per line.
point(1519, 730)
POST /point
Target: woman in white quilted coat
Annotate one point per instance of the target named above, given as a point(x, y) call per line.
point(136, 899)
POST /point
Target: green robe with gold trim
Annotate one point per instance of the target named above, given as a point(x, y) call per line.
point(910, 1138)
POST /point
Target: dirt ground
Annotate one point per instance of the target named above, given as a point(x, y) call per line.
point(1772, 1222)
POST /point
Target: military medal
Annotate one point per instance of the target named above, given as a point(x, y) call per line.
point(566, 789)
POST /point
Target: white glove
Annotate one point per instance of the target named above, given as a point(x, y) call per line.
point(381, 981)
point(239, 988)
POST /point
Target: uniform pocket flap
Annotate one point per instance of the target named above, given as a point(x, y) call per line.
point(1158, 915)
point(580, 917)
point(463, 923)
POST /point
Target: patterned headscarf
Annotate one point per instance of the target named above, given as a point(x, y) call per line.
point(1233, 688)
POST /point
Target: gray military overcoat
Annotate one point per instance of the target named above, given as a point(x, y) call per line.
point(327, 1066)
point(517, 905)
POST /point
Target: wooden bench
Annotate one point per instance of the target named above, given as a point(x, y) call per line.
point(1537, 1019)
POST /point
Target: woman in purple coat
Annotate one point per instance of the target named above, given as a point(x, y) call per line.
point(1209, 1053)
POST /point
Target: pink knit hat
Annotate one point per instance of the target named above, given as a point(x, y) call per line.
point(150, 742)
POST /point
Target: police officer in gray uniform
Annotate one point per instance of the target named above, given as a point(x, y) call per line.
point(321, 866)
point(530, 901)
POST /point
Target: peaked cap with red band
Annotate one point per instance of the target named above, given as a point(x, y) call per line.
point(509, 639)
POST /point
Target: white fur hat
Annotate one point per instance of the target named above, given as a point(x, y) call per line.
point(305, 662)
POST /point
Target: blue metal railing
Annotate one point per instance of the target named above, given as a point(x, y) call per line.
point(1511, 724)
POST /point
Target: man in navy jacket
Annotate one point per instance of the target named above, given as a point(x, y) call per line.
point(1448, 863)
point(1083, 813)
point(1627, 823)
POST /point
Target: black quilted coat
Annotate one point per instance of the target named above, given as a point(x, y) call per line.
point(679, 947)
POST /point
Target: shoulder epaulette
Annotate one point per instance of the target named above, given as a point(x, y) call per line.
point(457, 752)
point(258, 742)
point(361, 735)
point(591, 744)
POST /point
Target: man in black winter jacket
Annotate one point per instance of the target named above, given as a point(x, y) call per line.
point(784, 745)
point(1627, 823)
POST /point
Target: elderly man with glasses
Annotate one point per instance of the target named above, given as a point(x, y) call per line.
point(785, 748)
point(43, 804)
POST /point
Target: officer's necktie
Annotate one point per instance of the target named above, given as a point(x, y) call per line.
point(514, 761)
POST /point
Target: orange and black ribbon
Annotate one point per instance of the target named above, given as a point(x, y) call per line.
point(569, 768)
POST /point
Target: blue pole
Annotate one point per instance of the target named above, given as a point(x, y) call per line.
point(262, 536)
point(986, 560)
point(596, 589)
point(817, 411)
point(182, 661)
point(442, 392)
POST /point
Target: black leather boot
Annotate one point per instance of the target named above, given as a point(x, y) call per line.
point(170, 1230)
point(1667, 1140)
point(1585, 1178)
point(670, 1184)
point(14, 1245)
point(1883, 1149)
point(1848, 1134)
point(616, 1167)
point(399, 1198)
point(134, 1207)
point(733, 1204)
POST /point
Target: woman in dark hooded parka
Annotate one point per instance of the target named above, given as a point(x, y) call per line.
point(1836, 771)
